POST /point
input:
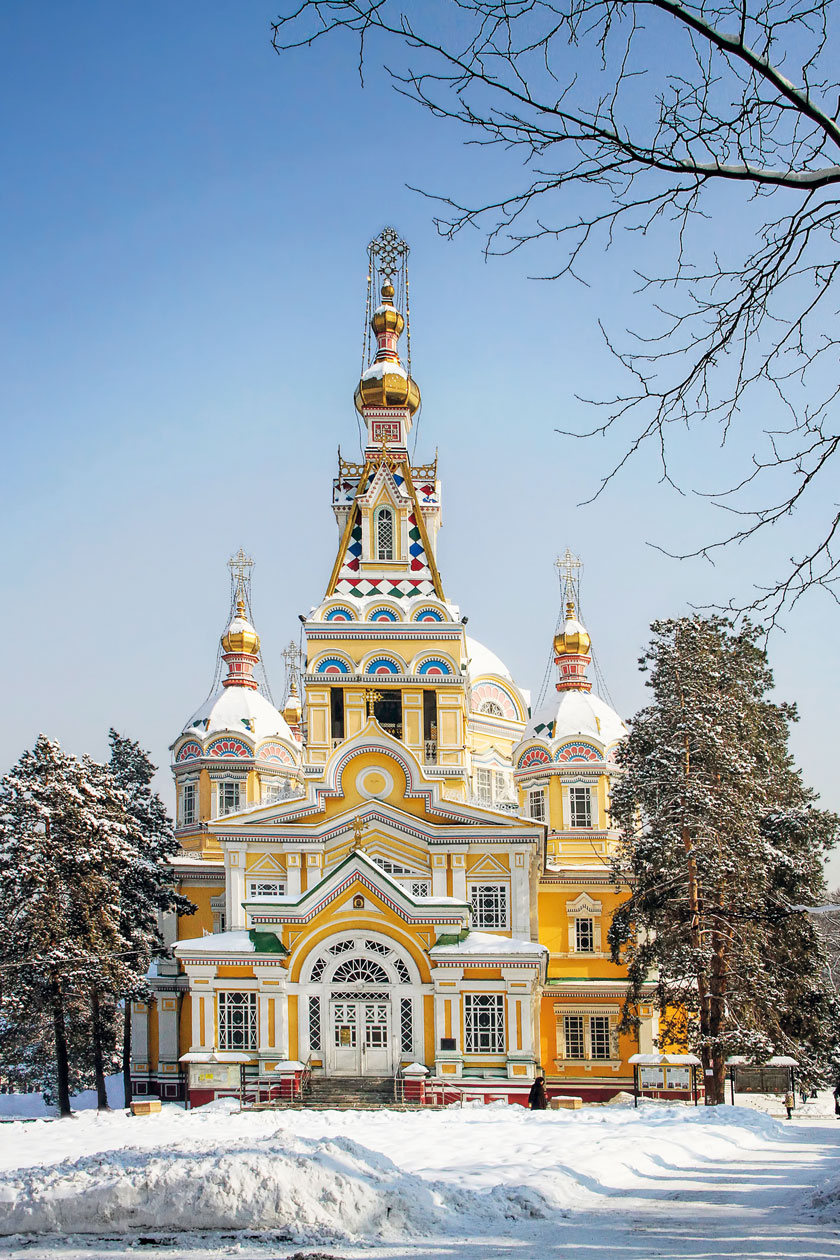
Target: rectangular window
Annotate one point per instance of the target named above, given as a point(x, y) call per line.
point(237, 1020)
point(420, 888)
point(272, 792)
point(489, 905)
point(580, 807)
point(484, 1023)
point(573, 1037)
point(483, 789)
point(585, 936)
point(188, 802)
point(337, 713)
point(314, 1022)
point(599, 1036)
point(536, 804)
point(406, 1026)
point(265, 888)
point(228, 798)
point(502, 786)
point(384, 534)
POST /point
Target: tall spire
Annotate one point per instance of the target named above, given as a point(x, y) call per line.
point(240, 642)
point(572, 645)
point(385, 383)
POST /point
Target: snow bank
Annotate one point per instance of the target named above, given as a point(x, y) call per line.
point(23, 1106)
point(322, 1189)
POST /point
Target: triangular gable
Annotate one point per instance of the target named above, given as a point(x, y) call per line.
point(267, 865)
point(488, 865)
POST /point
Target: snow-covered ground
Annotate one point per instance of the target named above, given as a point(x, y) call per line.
point(489, 1182)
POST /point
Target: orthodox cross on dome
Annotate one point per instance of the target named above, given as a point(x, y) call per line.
point(371, 697)
point(389, 251)
point(568, 567)
point(240, 567)
point(291, 655)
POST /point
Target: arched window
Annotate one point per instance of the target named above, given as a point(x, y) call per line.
point(384, 528)
point(360, 971)
point(491, 708)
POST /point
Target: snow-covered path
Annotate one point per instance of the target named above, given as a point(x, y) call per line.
point(488, 1183)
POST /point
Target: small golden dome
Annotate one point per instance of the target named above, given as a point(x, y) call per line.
point(573, 639)
point(240, 635)
point(386, 383)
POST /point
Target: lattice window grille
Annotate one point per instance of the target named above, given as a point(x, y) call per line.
point(573, 1037)
point(580, 807)
point(188, 804)
point(228, 797)
point(484, 1023)
point(584, 936)
point(376, 947)
point(266, 888)
point(599, 1037)
point(406, 1025)
point(344, 1020)
point(483, 788)
point(536, 804)
point(341, 947)
point(491, 708)
point(420, 888)
point(489, 905)
point(237, 1020)
point(402, 971)
point(384, 534)
point(360, 971)
point(376, 1025)
point(314, 1022)
point(318, 970)
point(392, 868)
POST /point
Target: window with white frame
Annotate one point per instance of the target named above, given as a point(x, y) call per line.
point(237, 1020)
point(584, 935)
point(585, 1035)
point(188, 804)
point(484, 1023)
point(228, 797)
point(489, 905)
point(420, 888)
point(491, 708)
point(502, 786)
point(484, 786)
point(272, 792)
point(580, 807)
point(536, 804)
point(384, 534)
point(266, 888)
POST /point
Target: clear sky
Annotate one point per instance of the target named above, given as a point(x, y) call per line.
point(184, 219)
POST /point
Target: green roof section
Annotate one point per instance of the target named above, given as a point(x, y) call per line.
point(267, 943)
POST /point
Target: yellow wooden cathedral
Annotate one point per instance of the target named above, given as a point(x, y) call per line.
point(404, 874)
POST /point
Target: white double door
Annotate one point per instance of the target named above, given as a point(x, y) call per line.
point(360, 1040)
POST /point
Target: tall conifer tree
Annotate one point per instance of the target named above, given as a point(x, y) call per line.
point(720, 839)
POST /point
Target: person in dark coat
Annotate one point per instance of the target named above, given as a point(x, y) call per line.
point(537, 1100)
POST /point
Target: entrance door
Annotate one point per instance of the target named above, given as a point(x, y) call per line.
point(360, 1039)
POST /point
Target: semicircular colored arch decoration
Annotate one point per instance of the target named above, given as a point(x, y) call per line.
point(428, 614)
point(382, 614)
point(228, 747)
point(578, 752)
point(382, 665)
point(435, 665)
point(332, 665)
point(189, 751)
point(340, 614)
point(275, 752)
point(533, 757)
point(489, 691)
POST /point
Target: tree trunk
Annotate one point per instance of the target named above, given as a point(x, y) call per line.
point(98, 1058)
point(62, 1061)
point(126, 1054)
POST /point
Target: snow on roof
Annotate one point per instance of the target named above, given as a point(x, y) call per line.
point(216, 943)
point(240, 709)
point(489, 943)
point(576, 713)
point(377, 370)
point(483, 661)
point(189, 859)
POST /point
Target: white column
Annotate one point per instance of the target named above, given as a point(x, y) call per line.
point(209, 1021)
point(459, 881)
point(438, 874)
point(281, 1024)
point(195, 1011)
point(235, 885)
point(512, 1047)
point(262, 1022)
point(293, 874)
point(520, 922)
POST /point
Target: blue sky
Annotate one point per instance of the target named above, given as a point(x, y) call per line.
point(184, 218)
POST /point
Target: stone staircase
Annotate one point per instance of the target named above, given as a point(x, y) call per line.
point(345, 1093)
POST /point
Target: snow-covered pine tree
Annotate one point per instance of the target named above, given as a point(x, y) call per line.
point(60, 851)
point(719, 839)
point(148, 890)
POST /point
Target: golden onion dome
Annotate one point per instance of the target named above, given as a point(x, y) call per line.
point(386, 383)
point(573, 640)
point(240, 635)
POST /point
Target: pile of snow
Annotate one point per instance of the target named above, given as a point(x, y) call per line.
point(34, 1105)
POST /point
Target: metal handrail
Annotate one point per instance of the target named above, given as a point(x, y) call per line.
point(305, 1083)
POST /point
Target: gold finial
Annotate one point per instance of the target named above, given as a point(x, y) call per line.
point(371, 698)
point(389, 251)
point(360, 825)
